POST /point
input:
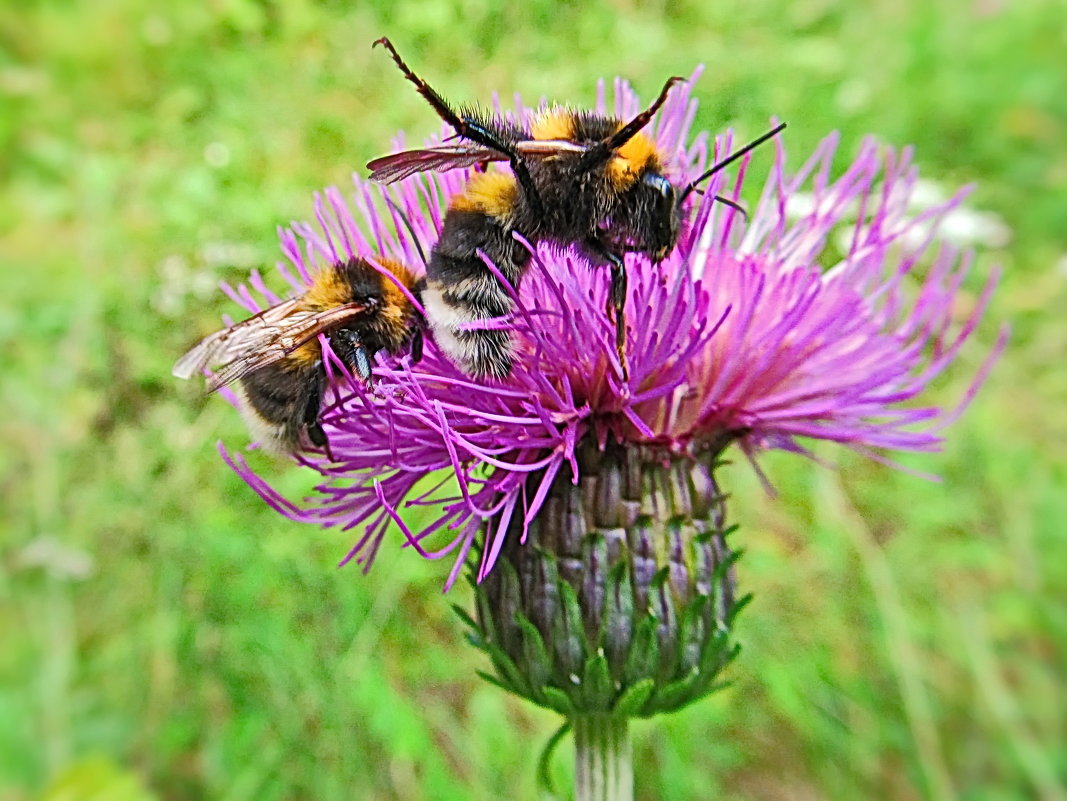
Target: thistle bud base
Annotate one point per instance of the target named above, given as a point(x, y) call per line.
point(620, 601)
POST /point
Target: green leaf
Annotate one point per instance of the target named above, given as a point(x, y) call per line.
point(735, 610)
point(678, 693)
point(538, 662)
point(498, 682)
point(617, 626)
point(597, 686)
point(667, 632)
point(692, 634)
point(509, 598)
point(508, 671)
point(465, 617)
point(632, 701)
point(644, 651)
point(558, 700)
point(544, 762)
point(568, 636)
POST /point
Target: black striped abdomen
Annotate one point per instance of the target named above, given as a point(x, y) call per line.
point(461, 289)
point(279, 399)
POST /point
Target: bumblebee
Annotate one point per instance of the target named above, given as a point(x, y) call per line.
point(578, 178)
point(277, 359)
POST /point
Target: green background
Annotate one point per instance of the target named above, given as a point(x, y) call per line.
point(164, 635)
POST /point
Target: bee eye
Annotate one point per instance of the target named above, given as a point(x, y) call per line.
point(659, 183)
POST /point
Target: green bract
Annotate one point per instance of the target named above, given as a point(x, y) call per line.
point(622, 598)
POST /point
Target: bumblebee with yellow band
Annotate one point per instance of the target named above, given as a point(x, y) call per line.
point(578, 178)
point(276, 358)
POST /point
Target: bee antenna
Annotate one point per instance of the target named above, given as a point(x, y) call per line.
point(601, 151)
point(627, 132)
point(733, 204)
point(728, 161)
point(439, 104)
point(466, 126)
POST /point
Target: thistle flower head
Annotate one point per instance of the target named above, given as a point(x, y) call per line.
point(762, 331)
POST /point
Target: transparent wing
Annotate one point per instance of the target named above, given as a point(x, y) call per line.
point(227, 344)
point(546, 148)
point(398, 166)
point(260, 340)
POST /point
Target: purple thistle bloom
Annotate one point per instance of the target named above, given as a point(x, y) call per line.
point(755, 331)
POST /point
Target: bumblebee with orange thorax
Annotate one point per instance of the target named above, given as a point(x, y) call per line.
point(277, 359)
point(578, 178)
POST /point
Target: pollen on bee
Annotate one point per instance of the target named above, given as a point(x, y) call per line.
point(491, 193)
point(554, 123)
point(308, 353)
point(327, 291)
point(393, 296)
point(631, 160)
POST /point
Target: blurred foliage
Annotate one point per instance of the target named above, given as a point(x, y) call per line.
point(163, 629)
point(96, 779)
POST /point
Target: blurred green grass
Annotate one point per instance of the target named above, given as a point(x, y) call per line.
point(166, 636)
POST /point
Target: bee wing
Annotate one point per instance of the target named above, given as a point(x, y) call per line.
point(397, 166)
point(227, 344)
point(261, 340)
point(546, 148)
point(267, 348)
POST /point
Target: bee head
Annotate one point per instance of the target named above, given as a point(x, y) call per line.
point(647, 218)
point(663, 215)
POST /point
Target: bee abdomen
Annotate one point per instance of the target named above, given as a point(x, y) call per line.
point(274, 402)
point(461, 290)
point(452, 309)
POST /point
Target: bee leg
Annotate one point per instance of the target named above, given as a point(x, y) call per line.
point(616, 299)
point(618, 302)
point(349, 349)
point(418, 336)
point(416, 345)
point(466, 127)
point(316, 436)
point(320, 440)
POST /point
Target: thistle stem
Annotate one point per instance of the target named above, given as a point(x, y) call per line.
point(603, 758)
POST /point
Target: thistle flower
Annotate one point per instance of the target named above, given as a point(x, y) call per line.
point(753, 331)
point(596, 491)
